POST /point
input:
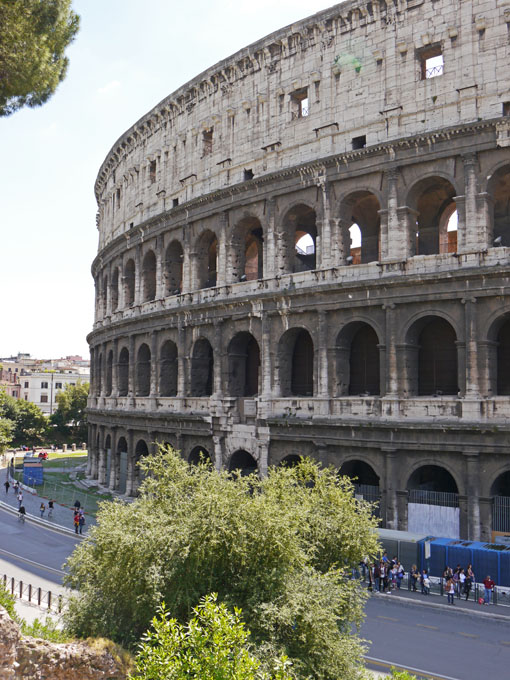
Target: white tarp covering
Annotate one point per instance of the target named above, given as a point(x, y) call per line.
point(433, 520)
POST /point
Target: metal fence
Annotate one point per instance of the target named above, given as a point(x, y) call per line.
point(442, 498)
point(44, 599)
point(501, 513)
point(369, 493)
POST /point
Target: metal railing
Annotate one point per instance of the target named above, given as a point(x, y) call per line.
point(442, 498)
point(44, 599)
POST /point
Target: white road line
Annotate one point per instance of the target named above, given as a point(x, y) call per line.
point(31, 562)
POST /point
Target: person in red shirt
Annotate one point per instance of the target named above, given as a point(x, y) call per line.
point(489, 587)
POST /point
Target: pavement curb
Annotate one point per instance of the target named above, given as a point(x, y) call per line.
point(42, 522)
point(445, 607)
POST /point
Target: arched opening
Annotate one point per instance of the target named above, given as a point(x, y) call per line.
point(244, 463)
point(364, 479)
point(296, 358)
point(141, 450)
point(503, 359)
point(243, 365)
point(143, 371)
point(247, 250)
point(129, 283)
point(359, 213)
point(99, 375)
point(168, 369)
point(173, 268)
point(207, 260)
point(202, 369)
point(290, 461)
point(149, 276)
point(109, 373)
point(433, 200)
point(433, 506)
point(500, 492)
point(108, 462)
point(300, 239)
point(120, 463)
point(364, 372)
point(449, 236)
point(432, 358)
point(115, 289)
point(499, 188)
point(198, 454)
point(123, 372)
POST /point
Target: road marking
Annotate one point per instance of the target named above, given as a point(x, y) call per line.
point(387, 618)
point(422, 625)
point(31, 562)
point(470, 635)
point(422, 674)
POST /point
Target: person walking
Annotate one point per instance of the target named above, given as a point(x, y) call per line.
point(42, 509)
point(7, 485)
point(450, 589)
point(415, 575)
point(20, 500)
point(50, 509)
point(489, 589)
point(76, 522)
point(400, 575)
point(81, 521)
point(16, 487)
point(21, 513)
point(377, 577)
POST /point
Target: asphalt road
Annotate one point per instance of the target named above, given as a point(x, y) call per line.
point(444, 644)
point(25, 545)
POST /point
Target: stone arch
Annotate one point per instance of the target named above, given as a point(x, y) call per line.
point(202, 369)
point(243, 462)
point(198, 453)
point(296, 363)
point(247, 252)
point(433, 199)
point(357, 360)
point(206, 260)
point(115, 289)
point(129, 282)
point(174, 256)
point(498, 187)
point(500, 492)
point(361, 209)
point(120, 464)
point(149, 276)
point(168, 369)
point(498, 349)
point(299, 238)
point(364, 478)
point(109, 373)
point(290, 461)
point(431, 353)
point(422, 475)
point(243, 365)
point(143, 371)
point(123, 372)
point(108, 441)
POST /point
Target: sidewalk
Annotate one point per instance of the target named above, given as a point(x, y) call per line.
point(471, 608)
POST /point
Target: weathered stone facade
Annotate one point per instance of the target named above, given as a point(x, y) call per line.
point(234, 314)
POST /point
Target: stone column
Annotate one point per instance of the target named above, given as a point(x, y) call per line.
point(91, 448)
point(263, 450)
point(187, 262)
point(407, 218)
point(132, 367)
point(461, 367)
point(487, 362)
point(393, 230)
point(472, 386)
point(113, 481)
point(138, 276)
point(476, 231)
point(218, 355)
point(473, 495)
point(154, 388)
point(101, 477)
point(160, 279)
point(122, 286)
point(270, 268)
point(322, 352)
point(218, 452)
point(485, 505)
point(390, 486)
point(221, 267)
point(324, 241)
point(402, 502)
point(95, 455)
point(115, 368)
point(265, 362)
point(130, 480)
point(182, 360)
point(391, 386)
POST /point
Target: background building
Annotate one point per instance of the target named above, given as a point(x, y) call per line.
point(305, 250)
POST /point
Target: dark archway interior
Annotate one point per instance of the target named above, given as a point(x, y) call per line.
point(129, 283)
point(199, 454)
point(243, 462)
point(499, 187)
point(122, 445)
point(362, 208)
point(290, 461)
point(149, 276)
point(109, 373)
point(437, 359)
point(173, 268)
point(432, 478)
point(503, 359)
point(364, 362)
point(99, 380)
point(360, 471)
point(168, 369)
point(501, 486)
point(302, 365)
point(143, 371)
point(434, 204)
point(253, 255)
point(115, 289)
point(243, 365)
point(299, 223)
point(202, 369)
point(123, 372)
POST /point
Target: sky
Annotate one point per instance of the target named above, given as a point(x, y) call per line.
point(127, 57)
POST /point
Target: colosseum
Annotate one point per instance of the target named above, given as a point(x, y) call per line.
point(305, 250)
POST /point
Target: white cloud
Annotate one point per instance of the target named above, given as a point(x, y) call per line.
point(109, 87)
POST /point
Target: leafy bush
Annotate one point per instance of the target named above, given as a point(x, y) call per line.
point(279, 548)
point(7, 601)
point(47, 630)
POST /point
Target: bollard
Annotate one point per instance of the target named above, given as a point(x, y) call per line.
point(73, 447)
point(49, 599)
point(12, 585)
point(39, 592)
point(64, 448)
point(20, 590)
point(30, 592)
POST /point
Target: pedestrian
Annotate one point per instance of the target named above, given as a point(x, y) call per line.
point(394, 572)
point(425, 582)
point(462, 583)
point(16, 487)
point(450, 589)
point(415, 575)
point(489, 589)
point(50, 509)
point(21, 513)
point(76, 522)
point(81, 521)
point(377, 577)
point(77, 505)
point(400, 574)
point(467, 586)
point(7, 485)
point(20, 500)
point(42, 509)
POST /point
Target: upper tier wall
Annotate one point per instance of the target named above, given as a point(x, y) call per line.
point(359, 64)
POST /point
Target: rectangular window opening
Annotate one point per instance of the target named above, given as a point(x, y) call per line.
point(359, 142)
point(207, 142)
point(431, 62)
point(152, 172)
point(44, 385)
point(44, 398)
point(175, 202)
point(506, 108)
point(300, 103)
point(247, 174)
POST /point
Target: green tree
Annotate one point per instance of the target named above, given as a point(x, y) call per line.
point(214, 644)
point(33, 37)
point(279, 548)
point(6, 428)
point(27, 423)
point(70, 418)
